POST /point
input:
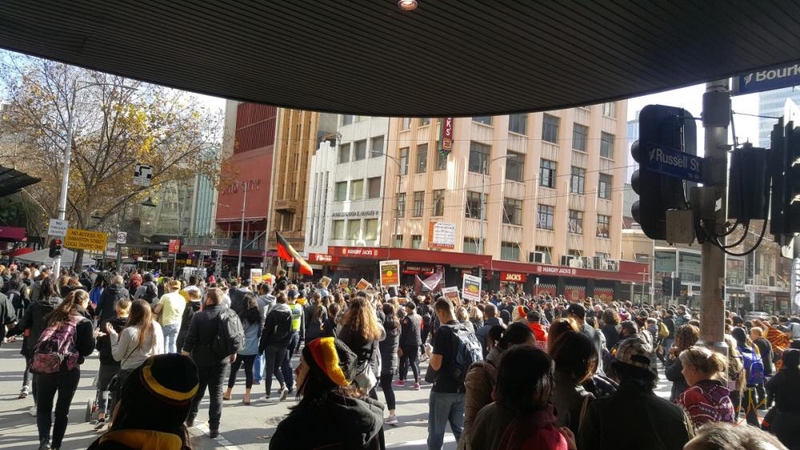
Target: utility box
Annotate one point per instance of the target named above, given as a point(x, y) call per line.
point(680, 226)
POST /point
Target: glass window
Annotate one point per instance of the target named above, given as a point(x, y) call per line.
point(607, 145)
point(578, 180)
point(344, 153)
point(356, 190)
point(575, 223)
point(353, 229)
point(347, 119)
point(486, 120)
point(575, 253)
point(338, 229)
point(405, 124)
point(438, 203)
point(547, 173)
point(370, 229)
point(376, 145)
point(579, 135)
point(424, 121)
point(374, 187)
point(422, 158)
point(550, 128)
point(360, 150)
point(547, 251)
point(441, 159)
point(609, 109)
point(398, 241)
point(401, 204)
point(509, 251)
point(416, 240)
point(341, 192)
point(404, 161)
point(474, 205)
point(470, 245)
point(690, 267)
point(419, 203)
point(512, 211)
point(604, 186)
point(603, 226)
point(478, 157)
point(546, 213)
point(515, 166)
point(518, 123)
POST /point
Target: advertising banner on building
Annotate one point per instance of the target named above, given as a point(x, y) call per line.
point(446, 135)
point(471, 289)
point(86, 240)
point(451, 293)
point(442, 235)
point(174, 245)
point(390, 273)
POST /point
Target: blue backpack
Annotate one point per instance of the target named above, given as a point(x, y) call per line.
point(753, 367)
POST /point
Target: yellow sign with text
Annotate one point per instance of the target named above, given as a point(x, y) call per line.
point(86, 239)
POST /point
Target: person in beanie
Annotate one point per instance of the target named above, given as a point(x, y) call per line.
point(343, 415)
point(155, 401)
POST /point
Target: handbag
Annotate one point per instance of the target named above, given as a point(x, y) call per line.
point(365, 377)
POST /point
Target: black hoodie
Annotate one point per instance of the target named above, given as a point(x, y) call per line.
point(34, 321)
point(104, 342)
point(338, 423)
point(106, 306)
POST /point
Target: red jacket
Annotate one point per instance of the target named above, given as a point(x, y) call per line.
point(538, 331)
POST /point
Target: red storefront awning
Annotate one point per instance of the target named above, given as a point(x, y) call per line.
point(13, 234)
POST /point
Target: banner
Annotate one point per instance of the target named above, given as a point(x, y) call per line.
point(255, 276)
point(471, 289)
point(86, 240)
point(432, 282)
point(451, 293)
point(390, 273)
point(442, 235)
point(363, 285)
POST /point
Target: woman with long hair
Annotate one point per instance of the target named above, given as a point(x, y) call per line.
point(784, 389)
point(389, 358)
point(685, 338)
point(576, 360)
point(69, 334)
point(707, 399)
point(251, 322)
point(362, 333)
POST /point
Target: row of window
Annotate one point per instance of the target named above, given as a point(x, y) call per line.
point(357, 150)
point(551, 126)
point(574, 221)
point(577, 185)
point(418, 205)
point(355, 229)
point(356, 191)
point(421, 162)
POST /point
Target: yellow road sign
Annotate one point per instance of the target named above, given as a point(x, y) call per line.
point(86, 239)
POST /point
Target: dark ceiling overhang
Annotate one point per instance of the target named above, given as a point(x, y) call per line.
point(449, 57)
point(12, 180)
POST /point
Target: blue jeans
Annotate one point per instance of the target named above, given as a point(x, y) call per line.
point(444, 407)
point(258, 368)
point(286, 366)
point(170, 335)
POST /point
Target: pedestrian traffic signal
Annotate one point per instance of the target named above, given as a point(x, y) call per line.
point(785, 170)
point(663, 127)
point(55, 248)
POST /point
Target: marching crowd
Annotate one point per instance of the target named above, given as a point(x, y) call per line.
point(505, 372)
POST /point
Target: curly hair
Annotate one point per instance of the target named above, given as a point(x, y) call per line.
point(686, 337)
point(360, 317)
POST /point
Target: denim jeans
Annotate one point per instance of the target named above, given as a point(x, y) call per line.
point(170, 335)
point(64, 383)
point(444, 407)
point(214, 378)
point(286, 367)
point(258, 368)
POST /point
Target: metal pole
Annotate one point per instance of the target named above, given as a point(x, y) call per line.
point(241, 233)
point(396, 207)
point(483, 212)
point(716, 117)
point(62, 199)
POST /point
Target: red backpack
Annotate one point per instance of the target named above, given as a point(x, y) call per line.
point(56, 345)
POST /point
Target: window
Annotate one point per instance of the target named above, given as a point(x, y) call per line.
point(401, 204)
point(374, 187)
point(398, 240)
point(509, 251)
point(547, 251)
point(376, 145)
point(360, 150)
point(404, 161)
point(518, 123)
point(338, 229)
point(547, 173)
point(424, 121)
point(405, 124)
point(550, 128)
point(478, 157)
point(416, 240)
point(470, 245)
point(579, 135)
point(578, 180)
point(575, 223)
point(441, 159)
point(356, 190)
point(370, 229)
point(575, 253)
point(607, 145)
point(347, 119)
point(546, 213)
point(603, 225)
point(438, 203)
point(341, 192)
point(609, 109)
point(515, 166)
point(486, 120)
point(419, 203)
point(422, 158)
point(604, 186)
point(512, 211)
point(353, 229)
point(473, 205)
point(344, 153)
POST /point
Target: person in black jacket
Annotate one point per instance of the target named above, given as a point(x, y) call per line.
point(410, 341)
point(212, 369)
point(188, 313)
point(108, 365)
point(108, 299)
point(274, 340)
point(389, 350)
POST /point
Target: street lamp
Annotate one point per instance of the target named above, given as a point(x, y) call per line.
point(241, 233)
point(62, 199)
point(396, 210)
point(485, 168)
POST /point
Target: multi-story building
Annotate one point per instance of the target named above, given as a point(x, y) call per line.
point(771, 104)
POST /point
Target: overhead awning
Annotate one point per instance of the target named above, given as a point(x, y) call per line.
point(464, 57)
point(13, 233)
point(12, 180)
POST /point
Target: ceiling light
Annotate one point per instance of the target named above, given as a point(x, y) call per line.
point(407, 5)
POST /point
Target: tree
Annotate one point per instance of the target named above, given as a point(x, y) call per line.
point(117, 123)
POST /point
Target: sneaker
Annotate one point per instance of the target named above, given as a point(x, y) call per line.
point(45, 445)
point(256, 382)
point(213, 434)
point(190, 422)
point(399, 383)
point(23, 393)
point(284, 394)
point(391, 420)
point(264, 399)
point(416, 386)
point(32, 411)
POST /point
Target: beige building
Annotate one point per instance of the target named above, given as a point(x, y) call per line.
point(552, 182)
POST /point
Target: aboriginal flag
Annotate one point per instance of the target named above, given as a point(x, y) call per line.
point(288, 253)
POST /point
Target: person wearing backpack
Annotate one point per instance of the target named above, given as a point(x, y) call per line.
point(215, 337)
point(455, 349)
point(753, 371)
point(147, 291)
point(57, 355)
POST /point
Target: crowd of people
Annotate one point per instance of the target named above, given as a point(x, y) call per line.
point(505, 372)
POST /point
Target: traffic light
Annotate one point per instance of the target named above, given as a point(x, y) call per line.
point(785, 170)
point(55, 248)
point(660, 127)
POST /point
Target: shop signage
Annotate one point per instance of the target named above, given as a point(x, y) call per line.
point(442, 235)
point(323, 258)
point(515, 277)
point(446, 141)
point(361, 251)
point(355, 213)
point(552, 270)
point(415, 270)
point(174, 245)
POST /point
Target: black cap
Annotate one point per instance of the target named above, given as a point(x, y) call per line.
point(577, 309)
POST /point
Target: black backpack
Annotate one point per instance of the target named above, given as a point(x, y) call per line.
point(150, 293)
point(229, 338)
point(467, 350)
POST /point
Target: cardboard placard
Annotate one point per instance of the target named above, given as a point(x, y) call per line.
point(471, 289)
point(390, 273)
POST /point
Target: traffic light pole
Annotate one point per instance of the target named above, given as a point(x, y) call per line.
point(716, 117)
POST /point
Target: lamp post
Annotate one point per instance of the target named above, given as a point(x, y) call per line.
point(241, 233)
point(485, 168)
point(397, 191)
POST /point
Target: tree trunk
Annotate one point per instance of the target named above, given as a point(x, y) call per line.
point(78, 263)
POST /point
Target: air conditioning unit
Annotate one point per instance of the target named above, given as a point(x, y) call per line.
point(566, 260)
point(536, 257)
point(576, 262)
